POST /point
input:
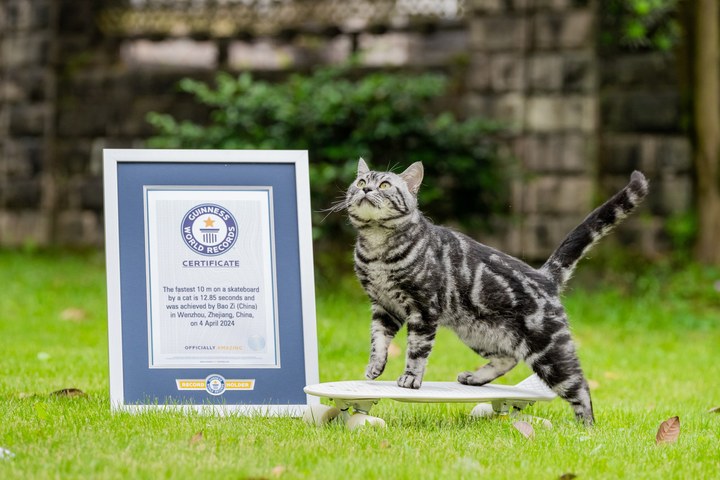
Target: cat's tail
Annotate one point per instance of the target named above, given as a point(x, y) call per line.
point(599, 223)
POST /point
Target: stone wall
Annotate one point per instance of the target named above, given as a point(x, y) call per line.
point(535, 66)
point(642, 110)
point(584, 117)
point(64, 96)
point(580, 120)
point(26, 112)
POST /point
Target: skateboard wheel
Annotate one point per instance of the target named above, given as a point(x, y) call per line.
point(320, 414)
point(360, 420)
point(482, 410)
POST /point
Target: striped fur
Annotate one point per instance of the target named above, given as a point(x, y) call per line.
point(599, 223)
point(425, 276)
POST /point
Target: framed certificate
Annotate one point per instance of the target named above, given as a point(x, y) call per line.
point(210, 280)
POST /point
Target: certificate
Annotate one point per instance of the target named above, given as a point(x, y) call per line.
point(211, 277)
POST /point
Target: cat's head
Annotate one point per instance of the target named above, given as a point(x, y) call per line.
point(383, 196)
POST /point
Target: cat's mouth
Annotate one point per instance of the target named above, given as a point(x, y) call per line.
point(369, 203)
point(367, 207)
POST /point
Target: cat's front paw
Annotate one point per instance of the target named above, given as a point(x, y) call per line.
point(374, 370)
point(408, 380)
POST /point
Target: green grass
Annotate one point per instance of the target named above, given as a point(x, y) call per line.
point(649, 343)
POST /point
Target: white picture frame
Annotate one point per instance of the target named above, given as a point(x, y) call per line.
point(220, 385)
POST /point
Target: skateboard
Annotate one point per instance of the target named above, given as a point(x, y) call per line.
point(361, 396)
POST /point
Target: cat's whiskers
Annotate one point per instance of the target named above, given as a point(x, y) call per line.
point(338, 205)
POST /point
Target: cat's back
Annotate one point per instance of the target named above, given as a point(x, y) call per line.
point(465, 255)
point(433, 264)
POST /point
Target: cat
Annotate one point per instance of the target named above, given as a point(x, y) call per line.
point(425, 276)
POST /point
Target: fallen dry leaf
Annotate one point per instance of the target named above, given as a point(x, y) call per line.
point(525, 428)
point(669, 431)
point(384, 444)
point(197, 438)
point(714, 410)
point(73, 314)
point(593, 384)
point(567, 476)
point(277, 471)
point(69, 392)
point(394, 350)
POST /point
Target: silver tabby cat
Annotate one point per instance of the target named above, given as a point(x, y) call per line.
point(426, 276)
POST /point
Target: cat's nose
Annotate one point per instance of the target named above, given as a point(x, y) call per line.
point(367, 189)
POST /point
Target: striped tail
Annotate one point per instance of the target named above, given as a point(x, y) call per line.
point(599, 223)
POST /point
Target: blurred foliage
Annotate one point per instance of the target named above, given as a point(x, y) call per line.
point(682, 231)
point(640, 24)
point(390, 119)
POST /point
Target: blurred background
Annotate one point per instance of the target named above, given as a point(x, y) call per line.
point(526, 113)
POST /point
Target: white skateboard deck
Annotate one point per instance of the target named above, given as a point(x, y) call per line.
point(363, 394)
point(531, 389)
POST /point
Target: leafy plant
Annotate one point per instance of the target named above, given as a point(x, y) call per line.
point(646, 24)
point(390, 119)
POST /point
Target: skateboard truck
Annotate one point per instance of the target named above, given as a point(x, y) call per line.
point(358, 406)
point(322, 414)
point(499, 408)
point(508, 410)
point(361, 413)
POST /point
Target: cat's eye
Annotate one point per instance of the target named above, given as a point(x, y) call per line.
point(361, 183)
point(384, 185)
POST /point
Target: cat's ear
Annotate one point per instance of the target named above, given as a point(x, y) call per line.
point(413, 176)
point(362, 167)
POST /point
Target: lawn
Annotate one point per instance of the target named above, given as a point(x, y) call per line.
point(649, 344)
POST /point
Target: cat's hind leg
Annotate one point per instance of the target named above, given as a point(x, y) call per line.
point(558, 366)
point(497, 366)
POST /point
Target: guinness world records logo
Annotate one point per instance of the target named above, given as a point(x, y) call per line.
point(209, 229)
point(215, 384)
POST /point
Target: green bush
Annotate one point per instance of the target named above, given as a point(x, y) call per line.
point(640, 24)
point(390, 119)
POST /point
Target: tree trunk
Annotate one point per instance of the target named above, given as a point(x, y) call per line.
point(707, 129)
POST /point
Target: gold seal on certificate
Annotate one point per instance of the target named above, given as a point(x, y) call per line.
point(211, 277)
